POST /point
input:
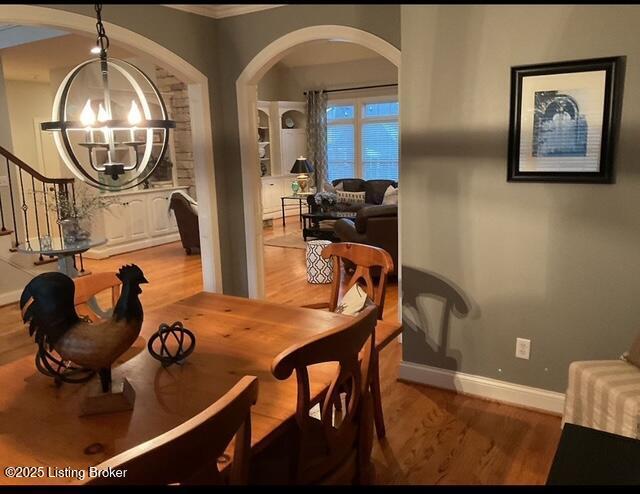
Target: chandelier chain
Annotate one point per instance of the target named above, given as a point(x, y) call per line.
point(103, 40)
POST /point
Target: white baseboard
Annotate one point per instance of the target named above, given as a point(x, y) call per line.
point(484, 387)
point(108, 250)
point(10, 297)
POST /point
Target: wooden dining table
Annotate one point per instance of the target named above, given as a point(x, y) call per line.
point(41, 426)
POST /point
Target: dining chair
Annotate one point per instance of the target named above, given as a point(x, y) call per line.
point(188, 453)
point(87, 287)
point(368, 261)
point(333, 448)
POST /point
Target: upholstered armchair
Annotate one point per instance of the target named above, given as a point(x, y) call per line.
point(187, 219)
point(373, 225)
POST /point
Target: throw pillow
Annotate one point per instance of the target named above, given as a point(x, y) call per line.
point(390, 195)
point(633, 356)
point(343, 197)
point(353, 301)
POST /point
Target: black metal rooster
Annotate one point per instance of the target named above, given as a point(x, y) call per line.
point(47, 303)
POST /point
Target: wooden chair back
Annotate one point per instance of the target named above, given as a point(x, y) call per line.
point(189, 453)
point(366, 258)
point(90, 285)
point(327, 450)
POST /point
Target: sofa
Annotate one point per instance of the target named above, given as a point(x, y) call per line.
point(374, 193)
point(186, 214)
point(374, 224)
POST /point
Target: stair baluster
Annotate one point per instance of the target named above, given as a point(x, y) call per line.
point(19, 185)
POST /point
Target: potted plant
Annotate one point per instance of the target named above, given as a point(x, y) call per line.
point(75, 211)
point(325, 200)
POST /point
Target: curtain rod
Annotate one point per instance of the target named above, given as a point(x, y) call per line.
point(357, 88)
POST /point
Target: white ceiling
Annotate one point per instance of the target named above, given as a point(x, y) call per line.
point(326, 52)
point(33, 61)
point(222, 10)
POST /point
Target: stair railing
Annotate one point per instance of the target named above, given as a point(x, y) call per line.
point(23, 205)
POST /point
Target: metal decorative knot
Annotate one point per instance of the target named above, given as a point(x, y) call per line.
point(180, 334)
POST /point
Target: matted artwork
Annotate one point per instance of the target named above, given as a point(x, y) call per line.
point(564, 119)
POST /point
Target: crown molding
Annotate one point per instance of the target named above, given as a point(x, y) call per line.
point(224, 10)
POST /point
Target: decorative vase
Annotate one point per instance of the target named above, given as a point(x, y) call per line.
point(72, 232)
point(295, 187)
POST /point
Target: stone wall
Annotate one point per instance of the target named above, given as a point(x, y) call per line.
point(176, 98)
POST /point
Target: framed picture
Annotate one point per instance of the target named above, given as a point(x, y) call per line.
point(564, 120)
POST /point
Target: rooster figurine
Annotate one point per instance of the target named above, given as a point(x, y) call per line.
point(47, 303)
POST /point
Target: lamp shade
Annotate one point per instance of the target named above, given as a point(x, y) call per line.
point(302, 165)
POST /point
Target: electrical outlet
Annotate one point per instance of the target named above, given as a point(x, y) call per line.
point(523, 348)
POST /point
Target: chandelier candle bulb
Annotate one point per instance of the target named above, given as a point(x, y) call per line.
point(134, 118)
point(88, 118)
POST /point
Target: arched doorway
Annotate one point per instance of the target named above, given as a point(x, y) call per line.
point(198, 88)
point(246, 89)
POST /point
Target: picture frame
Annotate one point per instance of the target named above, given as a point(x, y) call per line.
point(564, 121)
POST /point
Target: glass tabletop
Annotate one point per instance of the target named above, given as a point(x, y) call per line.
point(302, 195)
point(59, 245)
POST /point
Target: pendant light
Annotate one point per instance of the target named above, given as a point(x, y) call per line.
point(107, 144)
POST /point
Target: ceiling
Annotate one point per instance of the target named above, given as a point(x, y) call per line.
point(12, 34)
point(325, 52)
point(222, 10)
point(33, 61)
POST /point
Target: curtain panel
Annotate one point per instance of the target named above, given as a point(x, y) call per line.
point(317, 135)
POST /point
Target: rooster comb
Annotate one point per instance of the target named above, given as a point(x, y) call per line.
point(131, 272)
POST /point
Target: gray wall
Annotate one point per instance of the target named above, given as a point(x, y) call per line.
point(486, 261)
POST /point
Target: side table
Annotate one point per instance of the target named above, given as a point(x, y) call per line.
point(295, 197)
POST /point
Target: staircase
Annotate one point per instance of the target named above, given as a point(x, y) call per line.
point(29, 211)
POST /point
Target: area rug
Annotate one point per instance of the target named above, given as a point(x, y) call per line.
point(291, 241)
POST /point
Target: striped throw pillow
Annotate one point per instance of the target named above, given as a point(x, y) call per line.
point(343, 197)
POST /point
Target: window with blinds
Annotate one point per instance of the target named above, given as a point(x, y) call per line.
point(363, 143)
point(341, 142)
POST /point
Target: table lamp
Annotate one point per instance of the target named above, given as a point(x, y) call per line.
point(303, 167)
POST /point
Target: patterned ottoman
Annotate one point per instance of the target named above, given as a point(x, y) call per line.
point(319, 270)
point(604, 395)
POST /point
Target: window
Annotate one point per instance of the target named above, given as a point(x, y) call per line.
point(362, 139)
point(341, 142)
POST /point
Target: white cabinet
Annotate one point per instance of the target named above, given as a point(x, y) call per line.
point(160, 215)
point(136, 214)
point(115, 224)
point(271, 193)
point(137, 221)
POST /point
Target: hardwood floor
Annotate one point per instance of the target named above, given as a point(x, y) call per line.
point(433, 436)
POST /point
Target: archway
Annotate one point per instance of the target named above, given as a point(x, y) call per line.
point(198, 88)
point(246, 89)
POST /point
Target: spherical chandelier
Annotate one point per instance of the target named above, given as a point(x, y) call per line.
point(105, 141)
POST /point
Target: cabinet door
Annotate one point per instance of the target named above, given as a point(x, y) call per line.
point(115, 223)
point(136, 213)
point(271, 192)
point(159, 215)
